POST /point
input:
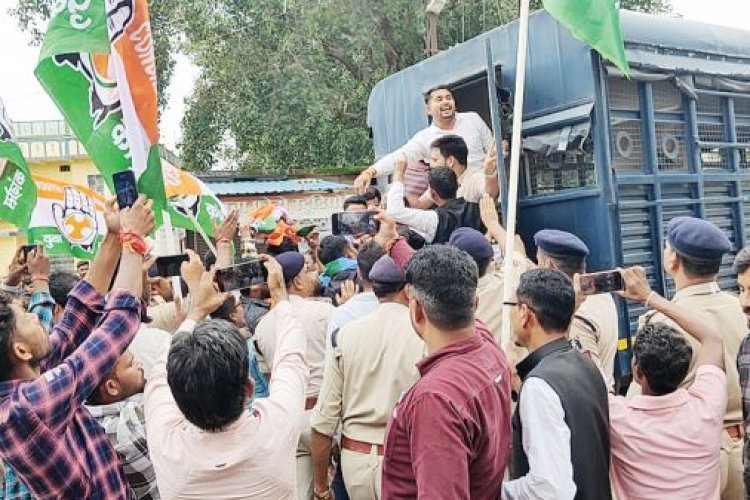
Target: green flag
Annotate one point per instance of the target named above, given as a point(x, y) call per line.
point(595, 22)
point(82, 71)
point(17, 189)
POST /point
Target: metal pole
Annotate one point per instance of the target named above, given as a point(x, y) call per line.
point(515, 157)
point(496, 123)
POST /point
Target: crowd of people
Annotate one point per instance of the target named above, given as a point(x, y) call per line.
point(372, 366)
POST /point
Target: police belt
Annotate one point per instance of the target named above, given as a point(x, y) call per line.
point(360, 446)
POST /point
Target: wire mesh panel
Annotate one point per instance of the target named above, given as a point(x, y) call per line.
point(559, 171)
point(713, 158)
point(623, 94)
point(627, 145)
point(709, 104)
point(743, 135)
point(742, 106)
point(667, 98)
point(670, 146)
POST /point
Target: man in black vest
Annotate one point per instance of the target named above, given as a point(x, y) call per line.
point(435, 225)
point(561, 425)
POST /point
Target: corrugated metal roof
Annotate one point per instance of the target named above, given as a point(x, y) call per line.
point(238, 188)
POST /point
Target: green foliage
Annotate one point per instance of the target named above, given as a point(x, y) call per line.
point(33, 15)
point(284, 84)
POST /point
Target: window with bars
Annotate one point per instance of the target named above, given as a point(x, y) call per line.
point(712, 114)
point(553, 171)
point(626, 131)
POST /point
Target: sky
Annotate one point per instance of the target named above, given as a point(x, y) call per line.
point(25, 99)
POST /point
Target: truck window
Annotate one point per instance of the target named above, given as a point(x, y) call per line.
point(559, 159)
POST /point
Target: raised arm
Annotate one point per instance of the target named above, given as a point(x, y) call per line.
point(105, 262)
point(224, 234)
point(290, 371)
point(491, 184)
point(695, 324)
point(491, 220)
point(413, 150)
point(160, 407)
point(424, 222)
point(63, 387)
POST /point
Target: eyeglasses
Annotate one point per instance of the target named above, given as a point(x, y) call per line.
point(513, 304)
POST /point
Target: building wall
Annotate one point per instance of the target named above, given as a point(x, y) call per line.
point(51, 150)
point(305, 208)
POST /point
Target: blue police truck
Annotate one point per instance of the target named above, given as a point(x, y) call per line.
point(608, 158)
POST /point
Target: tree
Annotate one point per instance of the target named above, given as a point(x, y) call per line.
point(284, 83)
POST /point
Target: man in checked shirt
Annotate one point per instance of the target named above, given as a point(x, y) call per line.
point(46, 435)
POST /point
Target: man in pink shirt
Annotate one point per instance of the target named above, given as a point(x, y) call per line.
point(665, 442)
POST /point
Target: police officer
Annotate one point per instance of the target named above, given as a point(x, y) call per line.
point(594, 327)
point(692, 258)
point(372, 365)
point(490, 285)
point(301, 283)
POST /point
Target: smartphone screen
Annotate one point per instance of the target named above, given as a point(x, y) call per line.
point(354, 223)
point(26, 250)
point(126, 188)
point(169, 265)
point(604, 282)
point(241, 276)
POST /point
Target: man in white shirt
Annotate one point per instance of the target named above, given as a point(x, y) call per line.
point(561, 444)
point(435, 225)
point(204, 441)
point(445, 120)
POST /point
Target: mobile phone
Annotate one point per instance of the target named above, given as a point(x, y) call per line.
point(126, 188)
point(241, 276)
point(603, 282)
point(354, 223)
point(26, 250)
point(169, 265)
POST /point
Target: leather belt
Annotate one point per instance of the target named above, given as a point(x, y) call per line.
point(311, 402)
point(735, 431)
point(360, 446)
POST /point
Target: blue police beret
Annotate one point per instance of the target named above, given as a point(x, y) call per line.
point(697, 239)
point(291, 263)
point(472, 242)
point(557, 242)
point(385, 270)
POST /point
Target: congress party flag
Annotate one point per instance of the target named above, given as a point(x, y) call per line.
point(97, 64)
point(190, 199)
point(17, 190)
point(595, 22)
point(68, 219)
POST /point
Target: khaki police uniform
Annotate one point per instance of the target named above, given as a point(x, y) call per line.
point(490, 294)
point(373, 363)
point(594, 330)
point(724, 310)
point(313, 316)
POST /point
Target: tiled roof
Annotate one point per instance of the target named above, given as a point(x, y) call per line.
point(273, 186)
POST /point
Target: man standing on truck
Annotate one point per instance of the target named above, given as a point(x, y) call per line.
point(692, 258)
point(445, 120)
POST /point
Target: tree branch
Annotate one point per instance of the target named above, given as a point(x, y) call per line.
point(338, 55)
point(392, 55)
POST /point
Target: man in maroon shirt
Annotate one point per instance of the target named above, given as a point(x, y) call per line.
point(449, 435)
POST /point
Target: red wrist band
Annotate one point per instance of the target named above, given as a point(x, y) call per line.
point(133, 242)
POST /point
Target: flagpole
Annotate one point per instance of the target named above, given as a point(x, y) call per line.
point(198, 228)
point(515, 157)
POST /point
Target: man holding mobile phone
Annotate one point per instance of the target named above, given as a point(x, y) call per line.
point(594, 328)
point(693, 252)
